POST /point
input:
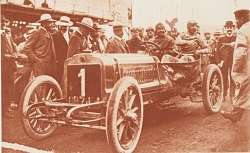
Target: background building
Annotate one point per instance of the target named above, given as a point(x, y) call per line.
point(117, 10)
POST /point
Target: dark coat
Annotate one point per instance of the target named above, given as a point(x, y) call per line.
point(117, 46)
point(8, 48)
point(225, 52)
point(135, 45)
point(39, 48)
point(61, 49)
point(8, 68)
point(166, 44)
point(77, 43)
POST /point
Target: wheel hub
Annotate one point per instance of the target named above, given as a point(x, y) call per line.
point(131, 115)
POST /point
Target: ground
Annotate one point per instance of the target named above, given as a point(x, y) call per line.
point(184, 128)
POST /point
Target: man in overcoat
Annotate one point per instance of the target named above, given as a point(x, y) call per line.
point(61, 40)
point(39, 48)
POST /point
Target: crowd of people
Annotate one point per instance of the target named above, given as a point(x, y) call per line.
point(44, 49)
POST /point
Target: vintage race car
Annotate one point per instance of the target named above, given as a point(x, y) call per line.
point(109, 91)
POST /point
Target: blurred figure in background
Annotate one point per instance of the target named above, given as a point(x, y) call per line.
point(211, 43)
point(224, 54)
point(61, 41)
point(150, 34)
point(141, 33)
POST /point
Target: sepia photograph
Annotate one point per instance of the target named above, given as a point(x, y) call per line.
point(125, 76)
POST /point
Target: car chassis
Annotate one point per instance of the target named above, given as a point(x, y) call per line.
point(109, 91)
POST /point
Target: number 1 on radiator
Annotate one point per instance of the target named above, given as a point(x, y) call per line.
point(81, 75)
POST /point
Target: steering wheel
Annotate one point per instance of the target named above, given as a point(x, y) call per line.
point(152, 48)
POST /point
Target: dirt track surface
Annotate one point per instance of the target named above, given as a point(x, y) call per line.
point(184, 128)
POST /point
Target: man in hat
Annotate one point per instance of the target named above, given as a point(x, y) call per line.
point(162, 39)
point(8, 52)
point(150, 34)
point(241, 66)
point(80, 39)
point(61, 41)
point(116, 44)
point(190, 41)
point(39, 48)
point(98, 44)
point(224, 54)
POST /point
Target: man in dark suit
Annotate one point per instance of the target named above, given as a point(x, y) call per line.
point(61, 40)
point(117, 44)
point(39, 48)
point(224, 53)
point(80, 39)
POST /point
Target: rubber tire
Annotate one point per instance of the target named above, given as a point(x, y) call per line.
point(24, 102)
point(212, 68)
point(111, 113)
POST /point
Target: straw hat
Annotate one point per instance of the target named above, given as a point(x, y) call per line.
point(64, 21)
point(86, 22)
point(46, 17)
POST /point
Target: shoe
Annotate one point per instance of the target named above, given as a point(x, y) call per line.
point(235, 115)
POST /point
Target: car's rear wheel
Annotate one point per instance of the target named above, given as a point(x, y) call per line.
point(124, 117)
point(212, 89)
point(38, 90)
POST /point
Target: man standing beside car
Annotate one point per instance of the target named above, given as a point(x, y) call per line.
point(80, 39)
point(61, 41)
point(39, 48)
point(224, 54)
point(241, 66)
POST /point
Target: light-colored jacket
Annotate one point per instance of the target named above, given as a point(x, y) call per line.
point(241, 57)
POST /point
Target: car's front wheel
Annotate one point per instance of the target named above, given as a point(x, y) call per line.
point(32, 110)
point(124, 117)
point(212, 89)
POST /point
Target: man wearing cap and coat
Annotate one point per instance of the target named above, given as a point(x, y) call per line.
point(116, 44)
point(224, 54)
point(61, 40)
point(80, 39)
point(39, 48)
point(241, 66)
